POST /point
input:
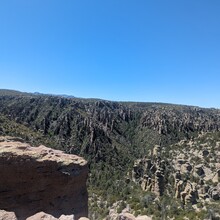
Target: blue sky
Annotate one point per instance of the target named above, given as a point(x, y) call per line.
point(137, 50)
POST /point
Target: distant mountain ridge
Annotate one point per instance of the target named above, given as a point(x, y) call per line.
point(8, 92)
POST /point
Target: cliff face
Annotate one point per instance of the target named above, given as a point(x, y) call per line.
point(35, 179)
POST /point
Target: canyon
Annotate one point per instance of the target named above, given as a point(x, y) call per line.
point(151, 159)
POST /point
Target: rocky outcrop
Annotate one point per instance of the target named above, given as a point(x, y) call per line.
point(126, 214)
point(35, 179)
point(7, 215)
point(166, 119)
point(149, 172)
point(4, 215)
point(189, 169)
point(45, 216)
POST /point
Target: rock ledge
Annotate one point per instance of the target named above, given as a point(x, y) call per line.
point(35, 179)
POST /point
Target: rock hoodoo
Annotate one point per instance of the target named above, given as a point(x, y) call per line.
point(35, 179)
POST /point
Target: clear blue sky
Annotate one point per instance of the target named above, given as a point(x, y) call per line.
point(139, 50)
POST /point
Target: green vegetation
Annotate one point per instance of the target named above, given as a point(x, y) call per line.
point(111, 136)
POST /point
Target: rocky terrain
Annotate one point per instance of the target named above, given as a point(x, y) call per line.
point(188, 171)
point(192, 170)
point(160, 160)
point(35, 179)
point(4, 215)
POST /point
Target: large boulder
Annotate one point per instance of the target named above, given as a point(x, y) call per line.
point(35, 179)
point(7, 215)
point(41, 216)
point(45, 216)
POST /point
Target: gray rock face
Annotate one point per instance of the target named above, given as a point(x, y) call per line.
point(35, 179)
point(165, 119)
point(149, 173)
